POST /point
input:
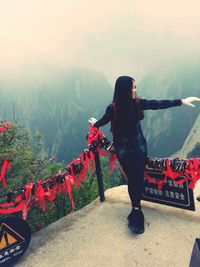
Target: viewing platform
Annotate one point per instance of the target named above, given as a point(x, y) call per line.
point(98, 235)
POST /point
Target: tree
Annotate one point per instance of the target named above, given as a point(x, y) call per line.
point(30, 163)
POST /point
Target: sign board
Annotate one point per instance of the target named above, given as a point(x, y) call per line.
point(171, 194)
point(15, 235)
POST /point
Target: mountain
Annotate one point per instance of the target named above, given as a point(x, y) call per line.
point(166, 130)
point(57, 103)
point(191, 146)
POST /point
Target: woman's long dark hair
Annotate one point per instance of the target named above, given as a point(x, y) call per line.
point(123, 101)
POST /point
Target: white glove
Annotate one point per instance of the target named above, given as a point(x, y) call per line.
point(188, 101)
point(92, 121)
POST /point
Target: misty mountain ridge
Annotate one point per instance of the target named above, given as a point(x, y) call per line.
point(167, 129)
point(191, 146)
point(59, 103)
point(59, 109)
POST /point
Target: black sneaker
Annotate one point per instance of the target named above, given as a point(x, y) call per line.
point(136, 221)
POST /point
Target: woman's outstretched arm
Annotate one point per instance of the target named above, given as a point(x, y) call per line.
point(159, 104)
point(162, 104)
point(105, 118)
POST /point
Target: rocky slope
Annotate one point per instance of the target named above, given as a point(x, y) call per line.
point(166, 130)
point(191, 146)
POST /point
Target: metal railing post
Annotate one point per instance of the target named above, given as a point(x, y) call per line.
point(99, 177)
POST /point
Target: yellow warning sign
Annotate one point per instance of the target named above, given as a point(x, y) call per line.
point(9, 237)
point(7, 240)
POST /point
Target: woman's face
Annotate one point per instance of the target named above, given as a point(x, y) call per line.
point(134, 90)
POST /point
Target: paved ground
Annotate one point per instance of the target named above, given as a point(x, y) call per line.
point(98, 236)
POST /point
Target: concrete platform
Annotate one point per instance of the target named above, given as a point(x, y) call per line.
point(98, 236)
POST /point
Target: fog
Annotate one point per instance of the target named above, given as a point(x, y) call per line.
point(111, 36)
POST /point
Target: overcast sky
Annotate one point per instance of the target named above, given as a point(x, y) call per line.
point(112, 36)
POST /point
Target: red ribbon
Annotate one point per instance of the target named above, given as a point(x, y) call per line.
point(77, 181)
point(103, 154)
point(50, 195)
point(7, 124)
point(6, 165)
point(48, 192)
point(192, 172)
point(4, 126)
point(112, 159)
point(40, 195)
point(2, 129)
point(85, 160)
point(21, 203)
point(27, 200)
point(69, 182)
point(93, 135)
point(92, 160)
point(167, 173)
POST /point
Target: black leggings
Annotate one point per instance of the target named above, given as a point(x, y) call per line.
point(133, 167)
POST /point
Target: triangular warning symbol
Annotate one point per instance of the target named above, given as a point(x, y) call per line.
point(9, 237)
point(7, 240)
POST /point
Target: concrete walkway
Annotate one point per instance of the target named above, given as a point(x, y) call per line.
point(98, 236)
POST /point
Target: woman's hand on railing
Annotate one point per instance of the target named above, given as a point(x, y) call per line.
point(188, 101)
point(92, 121)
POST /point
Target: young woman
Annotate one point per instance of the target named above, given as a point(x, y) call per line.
point(125, 113)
